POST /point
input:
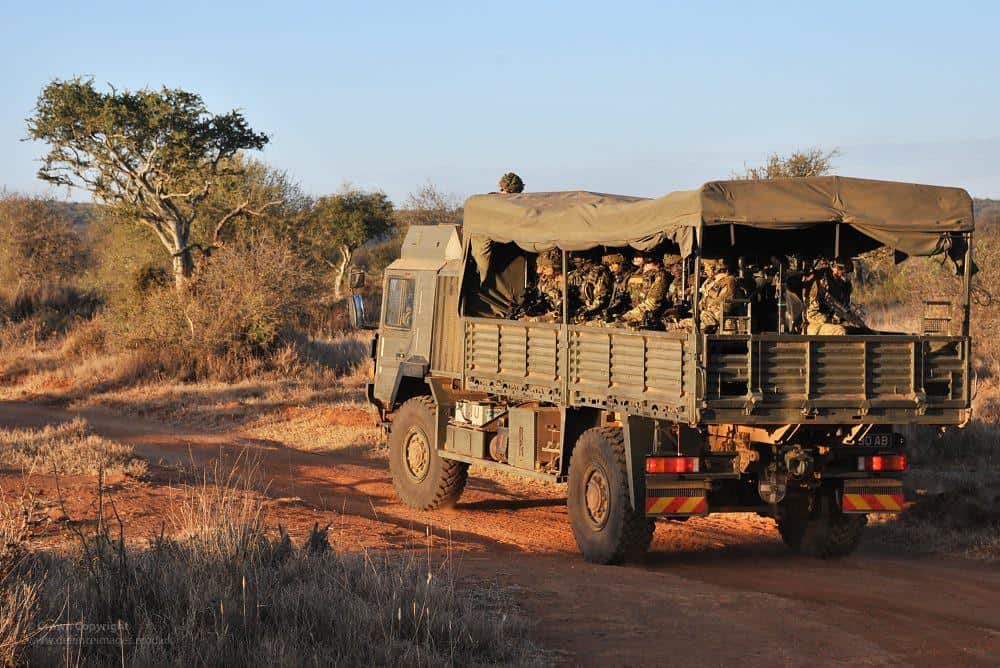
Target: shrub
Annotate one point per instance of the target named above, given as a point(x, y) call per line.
point(244, 304)
point(38, 243)
point(67, 448)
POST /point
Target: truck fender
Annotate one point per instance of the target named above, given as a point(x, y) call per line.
point(638, 439)
point(409, 370)
point(575, 421)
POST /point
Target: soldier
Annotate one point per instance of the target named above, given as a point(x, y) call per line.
point(828, 300)
point(511, 183)
point(718, 288)
point(619, 300)
point(544, 301)
point(647, 288)
point(590, 291)
point(676, 316)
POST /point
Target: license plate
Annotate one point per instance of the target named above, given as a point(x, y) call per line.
point(876, 440)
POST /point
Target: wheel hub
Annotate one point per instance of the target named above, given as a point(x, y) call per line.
point(597, 497)
point(417, 455)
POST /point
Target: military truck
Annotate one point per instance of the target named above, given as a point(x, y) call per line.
point(666, 425)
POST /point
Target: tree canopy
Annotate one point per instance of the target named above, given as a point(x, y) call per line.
point(809, 162)
point(155, 156)
point(339, 224)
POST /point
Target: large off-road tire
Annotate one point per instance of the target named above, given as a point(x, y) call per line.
point(821, 531)
point(423, 479)
point(608, 530)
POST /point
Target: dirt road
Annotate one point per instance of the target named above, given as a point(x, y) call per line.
point(714, 591)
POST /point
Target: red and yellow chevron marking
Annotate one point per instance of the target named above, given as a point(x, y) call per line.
point(676, 505)
point(863, 503)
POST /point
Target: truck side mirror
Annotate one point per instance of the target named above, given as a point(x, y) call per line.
point(357, 278)
point(358, 313)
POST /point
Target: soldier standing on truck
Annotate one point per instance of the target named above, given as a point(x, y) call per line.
point(511, 184)
point(719, 287)
point(647, 288)
point(828, 300)
point(591, 288)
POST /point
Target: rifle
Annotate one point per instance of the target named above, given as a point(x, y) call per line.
point(849, 315)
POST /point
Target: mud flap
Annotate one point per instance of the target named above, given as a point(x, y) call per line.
point(682, 498)
point(877, 495)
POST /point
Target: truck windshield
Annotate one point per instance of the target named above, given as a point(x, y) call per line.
point(399, 303)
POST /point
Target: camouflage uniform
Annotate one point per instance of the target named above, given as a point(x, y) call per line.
point(646, 289)
point(619, 299)
point(543, 301)
point(590, 286)
point(716, 291)
point(821, 319)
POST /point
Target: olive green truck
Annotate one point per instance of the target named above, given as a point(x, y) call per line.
point(648, 425)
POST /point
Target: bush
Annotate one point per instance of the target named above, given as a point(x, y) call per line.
point(39, 312)
point(67, 448)
point(38, 243)
point(244, 304)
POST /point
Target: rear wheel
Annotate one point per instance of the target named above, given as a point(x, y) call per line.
point(820, 529)
point(607, 528)
point(423, 479)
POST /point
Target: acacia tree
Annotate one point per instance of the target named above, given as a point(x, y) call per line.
point(810, 162)
point(340, 224)
point(151, 156)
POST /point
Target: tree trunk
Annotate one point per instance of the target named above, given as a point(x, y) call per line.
point(339, 271)
point(183, 269)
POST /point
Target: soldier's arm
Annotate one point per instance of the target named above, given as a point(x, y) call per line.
point(601, 293)
point(654, 296)
point(814, 304)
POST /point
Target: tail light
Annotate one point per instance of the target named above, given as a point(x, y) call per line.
point(672, 464)
point(882, 463)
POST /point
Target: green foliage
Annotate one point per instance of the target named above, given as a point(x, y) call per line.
point(348, 220)
point(810, 162)
point(152, 156)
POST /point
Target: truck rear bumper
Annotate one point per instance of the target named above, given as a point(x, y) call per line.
point(877, 495)
point(682, 498)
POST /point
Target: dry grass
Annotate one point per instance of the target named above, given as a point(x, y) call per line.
point(68, 448)
point(224, 592)
point(954, 480)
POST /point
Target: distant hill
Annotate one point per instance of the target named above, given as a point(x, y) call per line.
point(987, 215)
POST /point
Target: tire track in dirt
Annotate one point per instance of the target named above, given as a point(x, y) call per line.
point(717, 590)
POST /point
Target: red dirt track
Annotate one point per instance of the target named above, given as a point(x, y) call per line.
point(715, 591)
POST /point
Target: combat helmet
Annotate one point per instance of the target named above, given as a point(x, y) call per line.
point(511, 183)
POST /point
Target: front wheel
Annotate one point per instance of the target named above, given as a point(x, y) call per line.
point(607, 528)
point(423, 479)
point(820, 529)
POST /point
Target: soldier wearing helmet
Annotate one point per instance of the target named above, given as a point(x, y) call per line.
point(619, 300)
point(647, 288)
point(719, 286)
point(543, 301)
point(590, 290)
point(828, 300)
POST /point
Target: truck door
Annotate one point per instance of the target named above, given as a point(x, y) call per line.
point(396, 335)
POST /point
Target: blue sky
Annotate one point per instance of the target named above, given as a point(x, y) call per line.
point(637, 98)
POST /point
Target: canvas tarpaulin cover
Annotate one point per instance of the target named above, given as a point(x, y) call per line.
point(910, 218)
